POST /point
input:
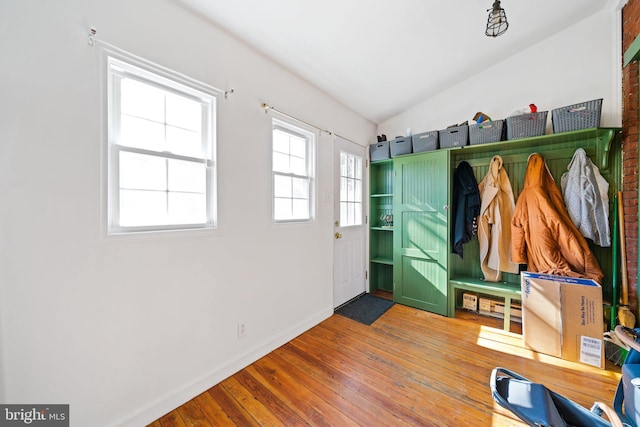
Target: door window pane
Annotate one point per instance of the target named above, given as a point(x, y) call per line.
point(350, 189)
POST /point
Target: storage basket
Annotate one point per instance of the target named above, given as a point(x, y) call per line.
point(527, 125)
point(584, 115)
point(489, 131)
point(457, 136)
point(400, 146)
point(379, 151)
point(425, 141)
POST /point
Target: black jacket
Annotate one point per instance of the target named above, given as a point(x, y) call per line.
point(466, 206)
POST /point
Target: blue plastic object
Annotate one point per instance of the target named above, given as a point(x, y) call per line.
point(631, 390)
point(538, 406)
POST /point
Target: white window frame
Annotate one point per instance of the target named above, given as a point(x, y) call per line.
point(118, 66)
point(293, 127)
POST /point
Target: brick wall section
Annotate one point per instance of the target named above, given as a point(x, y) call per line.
point(630, 114)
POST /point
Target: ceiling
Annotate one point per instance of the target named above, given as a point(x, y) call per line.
point(381, 57)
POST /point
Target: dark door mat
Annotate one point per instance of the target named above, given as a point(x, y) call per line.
point(365, 309)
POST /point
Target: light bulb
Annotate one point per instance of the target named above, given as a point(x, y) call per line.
point(496, 18)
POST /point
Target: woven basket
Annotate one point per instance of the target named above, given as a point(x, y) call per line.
point(527, 125)
point(485, 132)
point(425, 141)
point(584, 115)
point(456, 136)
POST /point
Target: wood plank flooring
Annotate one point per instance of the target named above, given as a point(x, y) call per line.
point(409, 368)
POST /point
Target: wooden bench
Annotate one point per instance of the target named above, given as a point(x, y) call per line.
point(504, 290)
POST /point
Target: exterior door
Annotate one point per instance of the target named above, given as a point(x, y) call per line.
point(349, 228)
point(420, 239)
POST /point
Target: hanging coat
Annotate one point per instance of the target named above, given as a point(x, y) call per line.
point(494, 222)
point(586, 195)
point(466, 206)
point(542, 234)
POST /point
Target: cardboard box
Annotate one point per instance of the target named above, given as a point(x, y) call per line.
point(485, 305)
point(470, 301)
point(562, 317)
point(515, 311)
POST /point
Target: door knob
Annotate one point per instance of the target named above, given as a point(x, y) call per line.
point(338, 235)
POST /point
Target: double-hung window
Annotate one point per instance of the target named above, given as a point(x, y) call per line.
point(293, 163)
point(161, 138)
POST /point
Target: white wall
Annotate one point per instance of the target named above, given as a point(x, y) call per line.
point(125, 329)
point(579, 64)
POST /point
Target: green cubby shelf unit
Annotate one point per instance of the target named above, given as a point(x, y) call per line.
point(380, 226)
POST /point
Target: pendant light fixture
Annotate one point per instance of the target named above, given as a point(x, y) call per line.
point(497, 22)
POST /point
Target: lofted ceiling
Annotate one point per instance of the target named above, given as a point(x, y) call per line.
point(381, 57)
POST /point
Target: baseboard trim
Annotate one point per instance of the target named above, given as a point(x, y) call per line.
point(164, 405)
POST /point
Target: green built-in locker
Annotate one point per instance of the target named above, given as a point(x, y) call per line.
point(420, 239)
point(601, 145)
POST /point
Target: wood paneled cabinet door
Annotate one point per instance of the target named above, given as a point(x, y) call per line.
point(421, 236)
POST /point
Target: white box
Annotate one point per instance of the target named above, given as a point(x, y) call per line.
point(470, 301)
point(485, 305)
point(516, 310)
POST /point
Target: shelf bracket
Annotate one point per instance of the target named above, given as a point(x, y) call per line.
point(605, 137)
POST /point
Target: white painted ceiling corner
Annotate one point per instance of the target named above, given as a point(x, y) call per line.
point(380, 58)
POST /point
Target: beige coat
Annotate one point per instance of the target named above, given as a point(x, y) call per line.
point(543, 235)
point(494, 222)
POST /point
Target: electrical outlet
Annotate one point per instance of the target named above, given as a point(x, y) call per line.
point(242, 330)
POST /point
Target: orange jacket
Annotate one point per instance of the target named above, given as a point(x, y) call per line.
point(542, 234)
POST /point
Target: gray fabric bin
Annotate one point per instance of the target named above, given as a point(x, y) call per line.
point(400, 146)
point(584, 115)
point(457, 136)
point(425, 141)
point(379, 151)
point(485, 132)
point(527, 125)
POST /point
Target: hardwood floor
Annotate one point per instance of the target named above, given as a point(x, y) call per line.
point(409, 368)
